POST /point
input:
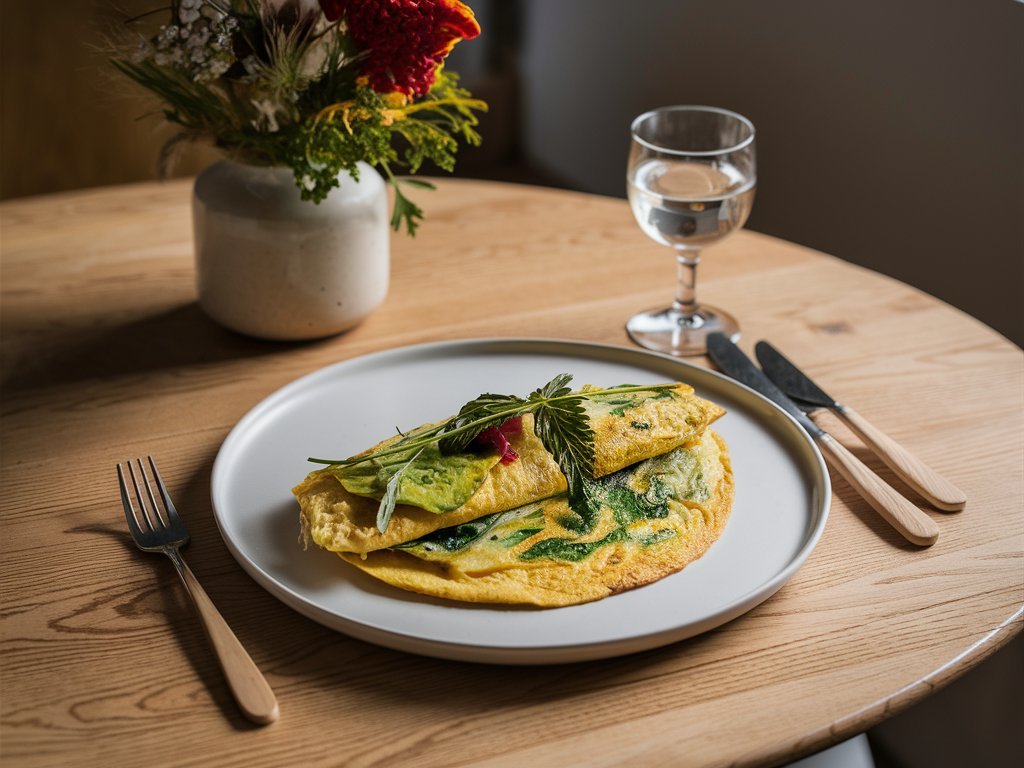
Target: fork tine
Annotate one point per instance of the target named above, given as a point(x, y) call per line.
point(152, 497)
point(129, 509)
point(172, 513)
point(141, 498)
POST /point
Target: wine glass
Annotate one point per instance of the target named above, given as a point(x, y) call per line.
point(691, 178)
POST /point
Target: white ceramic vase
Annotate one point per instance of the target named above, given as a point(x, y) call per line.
point(274, 266)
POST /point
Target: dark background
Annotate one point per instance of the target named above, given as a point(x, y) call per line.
point(890, 134)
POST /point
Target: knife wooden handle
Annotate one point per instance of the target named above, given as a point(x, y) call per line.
point(918, 475)
point(913, 524)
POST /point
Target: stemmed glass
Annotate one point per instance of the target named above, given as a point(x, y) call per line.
point(691, 178)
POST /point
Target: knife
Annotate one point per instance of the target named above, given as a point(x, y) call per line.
point(913, 524)
point(809, 396)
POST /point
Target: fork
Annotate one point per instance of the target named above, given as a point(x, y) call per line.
point(156, 531)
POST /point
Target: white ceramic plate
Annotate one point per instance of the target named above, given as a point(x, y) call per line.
point(782, 501)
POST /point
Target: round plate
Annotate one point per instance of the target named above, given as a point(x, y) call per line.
point(782, 501)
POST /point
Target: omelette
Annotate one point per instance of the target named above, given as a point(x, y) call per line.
point(649, 520)
point(492, 521)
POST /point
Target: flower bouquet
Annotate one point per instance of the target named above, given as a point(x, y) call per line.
point(313, 85)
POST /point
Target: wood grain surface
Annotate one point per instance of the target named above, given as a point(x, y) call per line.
point(105, 356)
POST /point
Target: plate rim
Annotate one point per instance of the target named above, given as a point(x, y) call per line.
point(546, 653)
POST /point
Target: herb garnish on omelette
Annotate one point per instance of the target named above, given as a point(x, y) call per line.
point(599, 472)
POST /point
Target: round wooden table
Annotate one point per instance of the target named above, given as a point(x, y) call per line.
point(106, 356)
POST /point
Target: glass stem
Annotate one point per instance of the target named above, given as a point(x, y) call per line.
point(686, 285)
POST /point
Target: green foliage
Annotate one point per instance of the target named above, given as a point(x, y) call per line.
point(322, 147)
point(284, 90)
point(367, 128)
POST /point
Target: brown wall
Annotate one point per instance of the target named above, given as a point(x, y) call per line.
point(67, 120)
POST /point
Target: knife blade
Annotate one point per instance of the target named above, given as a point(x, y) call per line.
point(913, 524)
point(914, 472)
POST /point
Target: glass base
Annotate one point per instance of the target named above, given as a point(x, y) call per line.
point(675, 333)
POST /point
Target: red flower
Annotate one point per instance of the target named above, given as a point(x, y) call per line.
point(332, 8)
point(404, 41)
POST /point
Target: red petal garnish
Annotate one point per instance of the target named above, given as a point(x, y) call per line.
point(509, 455)
point(513, 426)
point(494, 437)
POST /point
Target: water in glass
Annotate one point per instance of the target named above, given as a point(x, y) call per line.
point(690, 180)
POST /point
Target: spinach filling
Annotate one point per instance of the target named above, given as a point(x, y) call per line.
point(676, 475)
point(458, 537)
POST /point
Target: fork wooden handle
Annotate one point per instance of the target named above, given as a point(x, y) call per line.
point(252, 692)
point(918, 475)
point(913, 524)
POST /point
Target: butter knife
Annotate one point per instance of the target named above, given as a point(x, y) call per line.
point(913, 524)
point(810, 397)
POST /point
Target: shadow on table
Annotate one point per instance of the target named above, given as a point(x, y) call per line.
point(841, 489)
point(178, 337)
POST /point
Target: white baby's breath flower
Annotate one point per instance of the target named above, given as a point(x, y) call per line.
point(199, 38)
point(223, 31)
point(214, 11)
point(218, 67)
point(201, 45)
point(173, 57)
point(168, 35)
point(308, 182)
point(189, 10)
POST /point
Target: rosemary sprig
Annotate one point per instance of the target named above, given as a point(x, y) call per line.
point(560, 422)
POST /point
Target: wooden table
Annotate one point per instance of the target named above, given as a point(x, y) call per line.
point(106, 356)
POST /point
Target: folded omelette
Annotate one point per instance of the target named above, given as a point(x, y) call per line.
point(653, 519)
point(642, 439)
